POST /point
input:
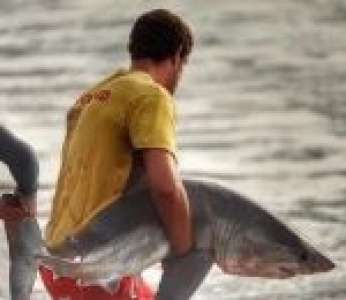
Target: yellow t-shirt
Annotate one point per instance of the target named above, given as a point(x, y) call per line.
point(124, 112)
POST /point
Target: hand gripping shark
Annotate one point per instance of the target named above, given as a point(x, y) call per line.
point(230, 230)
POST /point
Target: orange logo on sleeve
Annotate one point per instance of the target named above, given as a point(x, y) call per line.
point(85, 99)
point(103, 96)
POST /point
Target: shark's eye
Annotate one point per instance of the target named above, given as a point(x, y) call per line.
point(303, 256)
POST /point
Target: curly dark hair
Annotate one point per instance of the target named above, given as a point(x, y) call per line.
point(158, 35)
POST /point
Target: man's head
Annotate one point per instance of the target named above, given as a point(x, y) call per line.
point(161, 40)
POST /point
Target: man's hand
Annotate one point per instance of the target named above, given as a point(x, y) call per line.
point(169, 198)
point(14, 208)
point(29, 205)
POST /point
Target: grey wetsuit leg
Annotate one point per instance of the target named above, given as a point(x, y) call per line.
point(182, 276)
point(24, 243)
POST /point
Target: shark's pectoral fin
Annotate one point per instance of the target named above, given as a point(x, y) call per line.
point(182, 276)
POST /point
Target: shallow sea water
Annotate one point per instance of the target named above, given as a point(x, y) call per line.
point(261, 109)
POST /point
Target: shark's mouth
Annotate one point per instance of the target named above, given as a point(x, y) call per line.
point(254, 268)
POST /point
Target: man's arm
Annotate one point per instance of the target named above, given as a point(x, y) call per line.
point(170, 198)
point(23, 165)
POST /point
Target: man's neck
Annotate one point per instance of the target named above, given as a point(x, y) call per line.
point(157, 71)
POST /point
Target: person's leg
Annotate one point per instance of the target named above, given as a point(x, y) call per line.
point(24, 243)
point(182, 276)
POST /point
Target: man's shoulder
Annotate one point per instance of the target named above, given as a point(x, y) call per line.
point(125, 87)
point(140, 83)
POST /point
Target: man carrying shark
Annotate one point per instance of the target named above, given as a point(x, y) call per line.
point(123, 129)
point(121, 206)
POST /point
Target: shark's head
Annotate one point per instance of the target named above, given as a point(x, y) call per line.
point(257, 252)
point(248, 241)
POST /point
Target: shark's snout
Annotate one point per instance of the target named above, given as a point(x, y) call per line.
point(305, 264)
point(317, 262)
point(308, 263)
point(327, 265)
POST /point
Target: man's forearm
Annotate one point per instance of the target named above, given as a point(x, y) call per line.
point(21, 161)
point(170, 198)
point(174, 211)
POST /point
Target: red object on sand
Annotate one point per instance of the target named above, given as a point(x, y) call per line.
point(130, 288)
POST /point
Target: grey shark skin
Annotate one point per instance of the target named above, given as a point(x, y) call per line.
point(24, 243)
point(230, 230)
